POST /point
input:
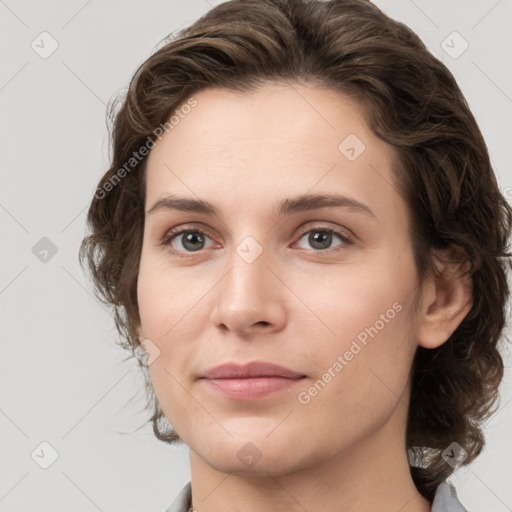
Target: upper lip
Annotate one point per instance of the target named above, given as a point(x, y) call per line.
point(253, 369)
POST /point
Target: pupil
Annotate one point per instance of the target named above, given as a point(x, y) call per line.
point(320, 237)
point(192, 238)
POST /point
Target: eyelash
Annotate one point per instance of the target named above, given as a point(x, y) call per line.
point(174, 233)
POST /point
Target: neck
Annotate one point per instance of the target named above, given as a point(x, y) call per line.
point(371, 474)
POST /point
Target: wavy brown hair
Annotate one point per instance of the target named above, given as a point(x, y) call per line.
point(413, 103)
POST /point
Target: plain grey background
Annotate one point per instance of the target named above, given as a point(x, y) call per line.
point(63, 381)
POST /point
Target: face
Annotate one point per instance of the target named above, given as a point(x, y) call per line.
point(322, 287)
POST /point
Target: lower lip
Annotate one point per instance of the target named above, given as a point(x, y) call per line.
point(251, 388)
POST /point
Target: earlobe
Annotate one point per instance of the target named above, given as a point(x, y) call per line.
point(448, 298)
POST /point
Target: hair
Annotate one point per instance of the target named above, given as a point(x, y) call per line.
point(413, 103)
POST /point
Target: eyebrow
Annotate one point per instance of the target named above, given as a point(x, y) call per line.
point(286, 207)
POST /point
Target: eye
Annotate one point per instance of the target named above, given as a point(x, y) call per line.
point(321, 238)
point(185, 240)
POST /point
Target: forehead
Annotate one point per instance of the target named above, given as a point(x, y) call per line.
point(279, 138)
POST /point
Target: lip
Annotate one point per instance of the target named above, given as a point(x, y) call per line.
point(253, 369)
point(250, 381)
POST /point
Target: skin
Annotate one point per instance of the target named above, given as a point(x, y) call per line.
point(344, 450)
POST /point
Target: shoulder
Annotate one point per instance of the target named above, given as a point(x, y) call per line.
point(182, 501)
point(446, 500)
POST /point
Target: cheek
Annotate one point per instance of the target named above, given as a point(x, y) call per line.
point(173, 317)
point(365, 357)
point(361, 378)
point(346, 304)
point(169, 298)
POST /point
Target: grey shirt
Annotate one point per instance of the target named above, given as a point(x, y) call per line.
point(445, 500)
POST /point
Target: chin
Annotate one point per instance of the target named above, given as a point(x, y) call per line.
point(251, 452)
point(261, 465)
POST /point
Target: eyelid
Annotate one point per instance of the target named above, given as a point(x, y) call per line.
point(322, 226)
point(172, 233)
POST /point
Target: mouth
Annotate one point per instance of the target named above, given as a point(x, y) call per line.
point(251, 381)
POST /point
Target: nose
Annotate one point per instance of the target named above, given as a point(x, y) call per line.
point(250, 298)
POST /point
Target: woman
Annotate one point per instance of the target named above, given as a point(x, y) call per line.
point(302, 231)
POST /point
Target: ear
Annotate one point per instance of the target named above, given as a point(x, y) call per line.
point(447, 299)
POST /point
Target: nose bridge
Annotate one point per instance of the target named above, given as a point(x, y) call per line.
point(248, 294)
point(246, 282)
